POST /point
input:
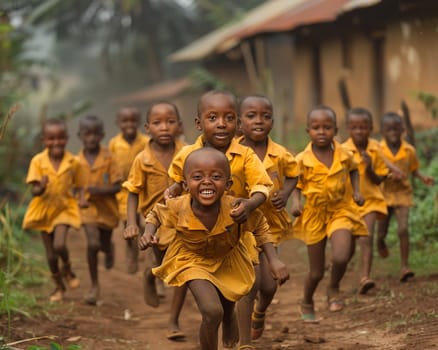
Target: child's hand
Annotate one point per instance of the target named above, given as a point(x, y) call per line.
point(240, 210)
point(173, 191)
point(427, 180)
point(93, 190)
point(279, 200)
point(279, 271)
point(83, 203)
point(358, 198)
point(147, 240)
point(44, 181)
point(130, 232)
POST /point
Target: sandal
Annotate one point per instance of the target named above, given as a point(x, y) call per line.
point(175, 335)
point(335, 301)
point(307, 312)
point(406, 274)
point(366, 284)
point(257, 324)
point(382, 248)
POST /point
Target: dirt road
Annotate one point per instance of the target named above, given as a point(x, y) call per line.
point(394, 316)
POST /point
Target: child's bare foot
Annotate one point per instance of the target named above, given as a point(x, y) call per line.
point(70, 277)
point(150, 290)
point(92, 296)
point(175, 333)
point(230, 332)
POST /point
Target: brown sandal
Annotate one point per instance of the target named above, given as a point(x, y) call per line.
point(366, 284)
point(406, 274)
point(257, 324)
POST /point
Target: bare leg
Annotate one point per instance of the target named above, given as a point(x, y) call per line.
point(230, 329)
point(316, 255)
point(341, 246)
point(60, 242)
point(179, 296)
point(245, 307)
point(93, 246)
point(402, 217)
point(382, 231)
point(366, 245)
point(107, 246)
point(210, 305)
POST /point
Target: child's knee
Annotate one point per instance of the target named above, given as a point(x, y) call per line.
point(93, 246)
point(316, 276)
point(59, 248)
point(341, 258)
point(402, 231)
point(212, 314)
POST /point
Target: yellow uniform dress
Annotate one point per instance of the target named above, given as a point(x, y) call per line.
point(374, 200)
point(103, 209)
point(328, 205)
point(193, 252)
point(124, 154)
point(247, 172)
point(148, 178)
point(57, 205)
point(279, 164)
point(399, 193)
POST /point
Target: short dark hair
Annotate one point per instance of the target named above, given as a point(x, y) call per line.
point(151, 107)
point(90, 119)
point(262, 97)
point(360, 111)
point(391, 116)
point(322, 108)
point(227, 93)
point(213, 152)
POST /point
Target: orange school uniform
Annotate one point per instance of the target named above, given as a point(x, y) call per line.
point(399, 193)
point(328, 206)
point(374, 200)
point(279, 164)
point(57, 205)
point(193, 252)
point(124, 154)
point(148, 178)
point(102, 209)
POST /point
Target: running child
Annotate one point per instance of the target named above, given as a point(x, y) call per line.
point(398, 192)
point(205, 244)
point(256, 121)
point(146, 183)
point(53, 175)
point(372, 171)
point(328, 214)
point(102, 215)
point(217, 119)
point(124, 147)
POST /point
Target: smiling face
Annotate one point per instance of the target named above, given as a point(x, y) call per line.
point(55, 139)
point(256, 118)
point(206, 176)
point(128, 120)
point(321, 127)
point(359, 128)
point(392, 130)
point(217, 119)
point(163, 124)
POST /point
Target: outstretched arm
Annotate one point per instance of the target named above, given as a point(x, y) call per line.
point(242, 207)
point(131, 229)
point(148, 239)
point(279, 198)
point(278, 268)
point(39, 187)
point(427, 180)
point(357, 196)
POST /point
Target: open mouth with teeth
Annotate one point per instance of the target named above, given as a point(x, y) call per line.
point(207, 193)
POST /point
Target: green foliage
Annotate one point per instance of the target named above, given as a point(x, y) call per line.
point(430, 102)
point(203, 79)
point(55, 346)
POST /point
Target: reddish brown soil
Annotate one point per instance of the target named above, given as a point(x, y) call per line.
point(393, 316)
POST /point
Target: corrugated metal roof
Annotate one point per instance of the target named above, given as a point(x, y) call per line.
point(272, 16)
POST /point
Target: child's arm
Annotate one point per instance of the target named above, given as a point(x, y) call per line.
point(39, 187)
point(427, 180)
point(395, 173)
point(105, 189)
point(242, 207)
point(148, 239)
point(297, 206)
point(83, 202)
point(279, 198)
point(131, 229)
point(278, 268)
point(376, 179)
point(173, 191)
point(357, 196)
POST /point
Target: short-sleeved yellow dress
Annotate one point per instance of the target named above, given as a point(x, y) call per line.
point(193, 252)
point(57, 205)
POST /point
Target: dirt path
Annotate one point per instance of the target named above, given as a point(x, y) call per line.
point(394, 316)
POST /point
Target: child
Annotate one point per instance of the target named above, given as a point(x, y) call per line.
point(124, 147)
point(205, 245)
point(217, 119)
point(147, 179)
point(326, 169)
point(398, 193)
point(372, 171)
point(256, 120)
point(101, 215)
point(53, 175)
